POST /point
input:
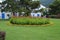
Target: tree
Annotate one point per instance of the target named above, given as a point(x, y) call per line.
point(22, 5)
point(34, 4)
point(12, 5)
point(55, 7)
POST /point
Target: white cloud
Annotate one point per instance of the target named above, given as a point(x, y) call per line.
point(1, 1)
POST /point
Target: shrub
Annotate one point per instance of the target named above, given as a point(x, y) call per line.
point(29, 21)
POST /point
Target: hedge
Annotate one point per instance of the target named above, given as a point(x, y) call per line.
point(29, 21)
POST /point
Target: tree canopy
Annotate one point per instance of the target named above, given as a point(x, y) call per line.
point(20, 5)
point(16, 4)
point(55, 7)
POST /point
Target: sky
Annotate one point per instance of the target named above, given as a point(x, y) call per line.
point(1, 1)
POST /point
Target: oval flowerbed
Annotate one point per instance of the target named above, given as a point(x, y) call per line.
point(29, 21)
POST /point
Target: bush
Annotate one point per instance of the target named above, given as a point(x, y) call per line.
point(29, 21)
point(54, 16)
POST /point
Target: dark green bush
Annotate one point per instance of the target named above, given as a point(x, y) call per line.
point(29, 21)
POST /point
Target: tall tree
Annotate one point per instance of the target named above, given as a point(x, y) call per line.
point(55, 7)
point(19, 5)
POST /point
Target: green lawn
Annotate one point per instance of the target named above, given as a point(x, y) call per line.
point(51, 32)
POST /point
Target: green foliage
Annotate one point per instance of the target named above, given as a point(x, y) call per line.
point(42, 10)
point(34, 4)
point(29, 21)
point(55, 7)
point(23, 9)
point(22, 5)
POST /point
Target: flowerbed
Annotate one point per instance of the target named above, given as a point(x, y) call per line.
point(29, 21)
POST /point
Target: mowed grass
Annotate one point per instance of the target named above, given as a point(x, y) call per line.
point(49, 32)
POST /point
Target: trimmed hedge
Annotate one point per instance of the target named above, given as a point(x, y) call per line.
point(29, 21)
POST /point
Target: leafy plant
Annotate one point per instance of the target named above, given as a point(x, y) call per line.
point(55, 7)
point(29, 21)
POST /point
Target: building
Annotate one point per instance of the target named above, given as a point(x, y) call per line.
point(5, 15)
point(40, 7)
point(38, 13)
